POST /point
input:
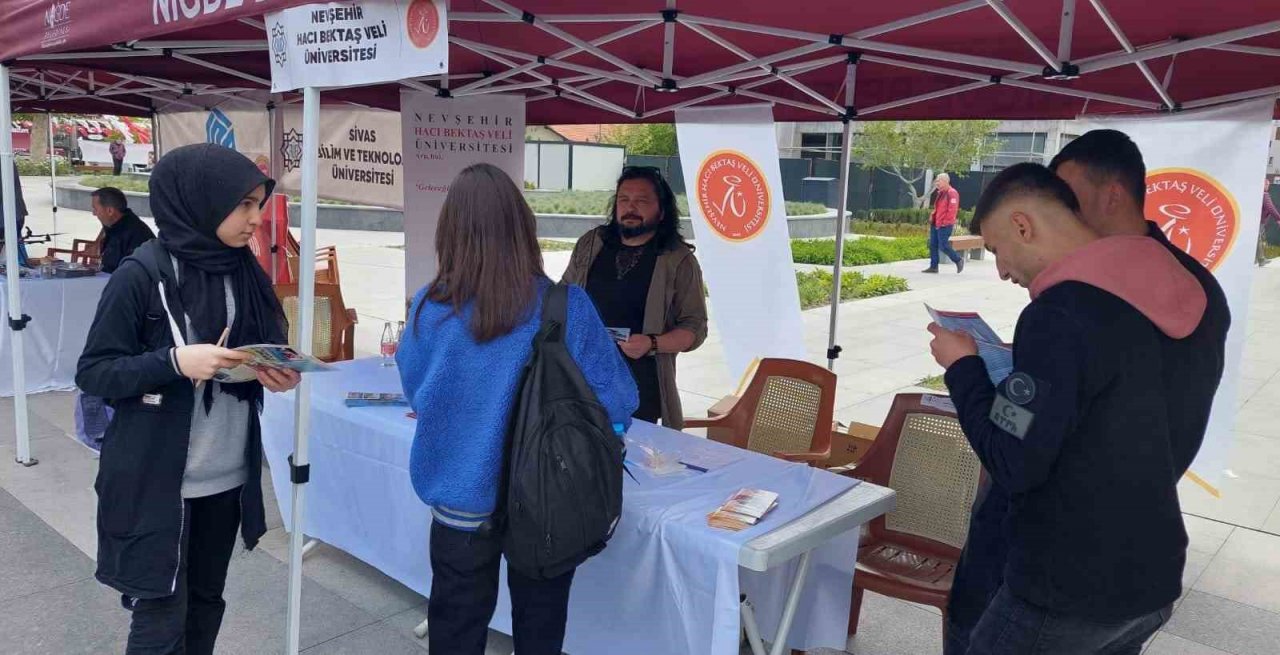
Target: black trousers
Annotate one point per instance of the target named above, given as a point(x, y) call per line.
point(187, 622)
point(116, 165)
point(464, 593)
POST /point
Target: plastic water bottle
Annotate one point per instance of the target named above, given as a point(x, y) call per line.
point(389, 344)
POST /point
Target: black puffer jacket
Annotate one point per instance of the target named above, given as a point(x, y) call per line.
point(144, 453)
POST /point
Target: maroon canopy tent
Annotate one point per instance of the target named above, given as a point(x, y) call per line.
point(632, 61)
point(583, 61)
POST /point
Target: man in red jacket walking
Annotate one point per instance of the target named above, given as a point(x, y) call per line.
point(946, 203)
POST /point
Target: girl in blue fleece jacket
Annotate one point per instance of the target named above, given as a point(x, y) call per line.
point(460, 363)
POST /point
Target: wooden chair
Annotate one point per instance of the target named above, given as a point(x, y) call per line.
point(83, 251)
point(334, 332)
point(785, 412)
point(911, 553)
point(326, 265)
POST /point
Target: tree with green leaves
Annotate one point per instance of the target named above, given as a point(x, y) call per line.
point(907, 150)
point(657, 139)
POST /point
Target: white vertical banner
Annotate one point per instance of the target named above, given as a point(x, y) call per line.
point(730, 160)
point(1204, 173)
point(442, 136)
point(359, 42)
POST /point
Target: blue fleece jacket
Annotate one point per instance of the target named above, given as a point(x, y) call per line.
point(464, 392)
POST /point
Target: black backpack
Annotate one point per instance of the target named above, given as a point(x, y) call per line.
point(562, 487)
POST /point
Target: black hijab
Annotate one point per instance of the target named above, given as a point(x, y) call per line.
point(193, 189)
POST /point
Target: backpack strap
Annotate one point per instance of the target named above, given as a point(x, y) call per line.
point(555, 312)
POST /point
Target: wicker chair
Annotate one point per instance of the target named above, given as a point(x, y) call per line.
point(786, 412)
point(326, 265)
point(334, 332)
point(911, 553)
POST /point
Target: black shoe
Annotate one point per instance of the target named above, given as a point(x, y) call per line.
point(929, 270)
point(960, 265)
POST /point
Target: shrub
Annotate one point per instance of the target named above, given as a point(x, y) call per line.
point(122, 182)
point(815, 287)
point(910, 215)
point(596, 203)
point(29, 167)
point(873, 228)
point(860, 252)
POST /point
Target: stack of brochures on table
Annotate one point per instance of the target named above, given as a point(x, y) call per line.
point(743, 510)
point(366, 399)
point(995, 354)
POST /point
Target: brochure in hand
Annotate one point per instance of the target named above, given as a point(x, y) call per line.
point(267, 355)
point(743, 510)
point(997, 355)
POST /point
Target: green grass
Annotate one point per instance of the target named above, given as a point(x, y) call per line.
point(1270, 251)
point(907, 215)
point(933, 382)
point(549, 245)
point(122, 182)
point(596, 203)
point(815, 287)
point(878, 229)
point(860, 252)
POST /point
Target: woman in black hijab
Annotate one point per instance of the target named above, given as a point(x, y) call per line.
point(181, 462)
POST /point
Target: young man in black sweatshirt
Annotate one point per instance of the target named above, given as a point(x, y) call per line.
point(1080, 439)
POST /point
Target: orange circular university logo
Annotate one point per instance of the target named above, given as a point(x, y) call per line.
point(1195, 212)
point(423, 22)
point(733, 195)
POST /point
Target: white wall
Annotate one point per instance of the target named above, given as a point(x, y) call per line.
point(596, 168)
point(554, 171)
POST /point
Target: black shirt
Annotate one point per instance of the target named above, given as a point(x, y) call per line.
point(122, 239)
point(618, 284)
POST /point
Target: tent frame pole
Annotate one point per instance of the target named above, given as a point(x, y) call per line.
point(17, 322)
point(53, 180)
point(299, 464)
point(842, 208)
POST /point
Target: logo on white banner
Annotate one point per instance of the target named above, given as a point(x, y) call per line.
point(733, 195)
point(291, 150)
point(279, 44)
point(219, 129)
point(1196, 213)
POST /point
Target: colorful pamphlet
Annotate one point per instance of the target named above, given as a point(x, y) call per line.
point(619, 334)
point(995, 354)
point(366, 399)
point(270, 356)
point(744, 509)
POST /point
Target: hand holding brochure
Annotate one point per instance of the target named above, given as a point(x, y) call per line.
point(267, 355)
point(997, 355)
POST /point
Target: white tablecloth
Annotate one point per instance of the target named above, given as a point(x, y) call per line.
point(666, 584)
point(61, 311)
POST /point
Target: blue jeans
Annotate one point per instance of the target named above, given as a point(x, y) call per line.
point(940, 239)
point(1011, 626)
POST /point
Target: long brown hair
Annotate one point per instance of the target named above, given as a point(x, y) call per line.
point(487, 245)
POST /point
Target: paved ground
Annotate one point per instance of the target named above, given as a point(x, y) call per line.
point(49, 602)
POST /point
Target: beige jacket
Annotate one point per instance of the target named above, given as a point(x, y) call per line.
point(675, 300)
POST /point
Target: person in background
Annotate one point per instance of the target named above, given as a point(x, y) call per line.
point(1084, 435)
point(1269, 212)
point(647, 285)
point(21, 205)
point(122, 230)
point(942, 222)
point(460, 361)
point(117, 151)
point(181, 461)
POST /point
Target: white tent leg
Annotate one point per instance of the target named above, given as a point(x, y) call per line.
point(8, 188)
point(833, 350)
point(299, 463)
point(53, 182)
point(420, 631)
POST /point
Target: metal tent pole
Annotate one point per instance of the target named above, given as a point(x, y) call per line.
point(13, 241)
point(299, 469)
point(53, 181)
point(833, 350)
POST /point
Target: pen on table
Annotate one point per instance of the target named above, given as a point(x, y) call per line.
point(694, 467)
point(222, 341)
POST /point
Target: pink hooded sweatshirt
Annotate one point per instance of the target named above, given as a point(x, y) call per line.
point(1138, 270)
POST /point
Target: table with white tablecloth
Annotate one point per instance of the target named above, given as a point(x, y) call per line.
point(667, 583)
point(61, 312)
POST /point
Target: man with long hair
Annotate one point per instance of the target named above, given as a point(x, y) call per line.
point(643, 278)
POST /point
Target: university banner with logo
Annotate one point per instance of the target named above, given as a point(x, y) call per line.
point(1204, 174)
point(244, 130)
point(338, 44)
point(359, 159)
point(441, 137)
point(730, 161)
